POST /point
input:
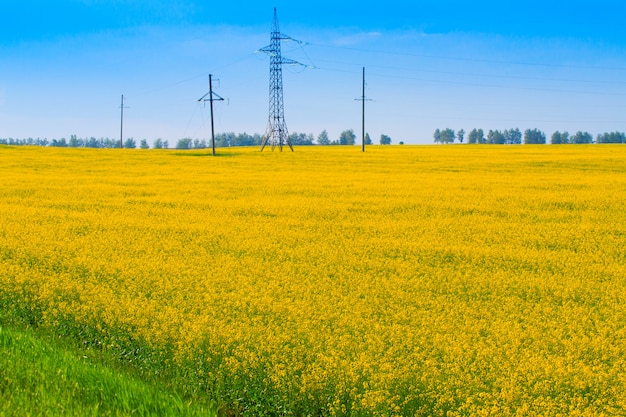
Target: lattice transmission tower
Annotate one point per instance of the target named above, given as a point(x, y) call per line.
point(276, 133)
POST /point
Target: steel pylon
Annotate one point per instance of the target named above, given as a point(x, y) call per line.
point(276, 133)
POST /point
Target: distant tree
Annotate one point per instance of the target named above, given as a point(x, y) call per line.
point(559, 138)
point(223, 140)
point(437, 135)
point(368, 140)
point(534, 137)
point(301, 139)
point(61, 143)
point(495, 137)
point(92, 142)
point(401, 142)
point(385, 140)
point(199, 144)
point(447, 136)
point(582, 138)
point(347, 137)
point(476, 136)
point(322, 138)
point(130, 143)
point(158, 144)
point(184, 143)
point(74, 143)
point(513, 137)
point(613, 137)
point(106, 143)
point(144, 144)
point(242, 139)
point(460, 135)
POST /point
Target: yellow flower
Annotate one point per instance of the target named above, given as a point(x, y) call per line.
point(465, 280)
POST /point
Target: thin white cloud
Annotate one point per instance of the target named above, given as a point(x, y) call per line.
point(357, 38)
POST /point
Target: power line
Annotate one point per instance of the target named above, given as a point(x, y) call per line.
point(484, 85)
point(482, 60)
point(474, 74)
point(553, 90)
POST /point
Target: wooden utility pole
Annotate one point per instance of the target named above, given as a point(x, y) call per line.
point(363, 100)
point(122, 107)
point(212, 124)
point(211, 98)
point(363, 113)
point(122, 123)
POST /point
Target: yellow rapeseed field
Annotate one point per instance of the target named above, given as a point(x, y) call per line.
point(406, 280)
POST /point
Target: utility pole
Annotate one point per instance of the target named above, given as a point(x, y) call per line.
point(122, 123)
point(212, 97)
point(212, 124)
point(363, 100)
point(363, 113)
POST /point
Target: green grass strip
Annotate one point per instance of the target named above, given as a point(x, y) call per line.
point(41, 377)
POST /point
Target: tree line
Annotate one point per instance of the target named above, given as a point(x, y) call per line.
point(347, 137)
point(75, 142)
point(530, 136)
point(222, 140)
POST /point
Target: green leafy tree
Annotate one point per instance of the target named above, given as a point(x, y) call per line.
point(322, 138)
point(144, 144)
point(447, 136)
point(613, 137)
point(184, 143)
point(582, 138)
point(513, 137)
point(460, 135)
point(385, 140)
point(74, 142)
point(534, 137)
point(368, 140)
point(495, 137)
point(130, 143)
point(347, 137)
point(301, 139)
point(106, 143)
point(199, 144)
point(92, 142)
point(437, 135)
point(476, 136)
point(242, 139)
point(559, 138)
point(61, 143)
point(223, 140)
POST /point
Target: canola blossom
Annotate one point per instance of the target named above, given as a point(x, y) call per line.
point(403, 281)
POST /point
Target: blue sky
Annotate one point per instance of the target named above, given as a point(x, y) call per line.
point(429, 64)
